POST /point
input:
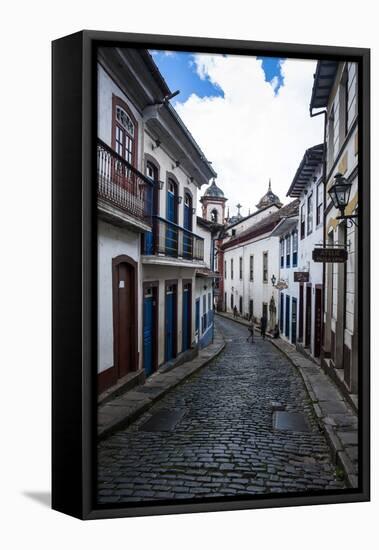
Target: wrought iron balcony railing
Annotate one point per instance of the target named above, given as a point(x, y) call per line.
point(169, 239)
point(122, 185)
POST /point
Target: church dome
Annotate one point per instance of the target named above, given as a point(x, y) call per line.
point(268, 199)
point(213, 191)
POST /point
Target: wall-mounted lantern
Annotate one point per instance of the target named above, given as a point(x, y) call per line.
point(340, 194)
point(273, 280)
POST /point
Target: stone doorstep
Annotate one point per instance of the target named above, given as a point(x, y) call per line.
point(121, 412)
point(327, 401)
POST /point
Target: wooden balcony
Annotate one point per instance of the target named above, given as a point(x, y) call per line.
point(124, 194)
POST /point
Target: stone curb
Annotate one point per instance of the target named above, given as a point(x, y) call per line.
point(339, 454)
point(122, 411)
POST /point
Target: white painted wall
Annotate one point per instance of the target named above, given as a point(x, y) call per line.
point(203, 288)
point(106, 88)
point(206, 235)
point(255, 290)
point(308, 244)
point(111, 242)
point(250, 221)
point(167, 165)
point(210, 206)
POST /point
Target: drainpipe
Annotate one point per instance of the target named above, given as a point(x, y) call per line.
point(324, 112)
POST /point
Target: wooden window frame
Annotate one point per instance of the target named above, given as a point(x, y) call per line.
point(265, 270)
point(119, 102)
point(251, 267)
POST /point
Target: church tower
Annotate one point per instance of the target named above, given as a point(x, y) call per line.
point(269, 198)
point(213, 204)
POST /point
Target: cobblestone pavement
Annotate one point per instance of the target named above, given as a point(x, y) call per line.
point(224, 443)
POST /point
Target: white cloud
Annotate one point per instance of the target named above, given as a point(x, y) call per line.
point(252, 134)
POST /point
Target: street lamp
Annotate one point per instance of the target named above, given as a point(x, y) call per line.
point(273, 280)
point(340, 194)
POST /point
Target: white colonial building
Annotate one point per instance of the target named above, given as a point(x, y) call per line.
point(250, 252)
point(287, 231)
point(335, 90)
point(149, 172)
point(308, 187)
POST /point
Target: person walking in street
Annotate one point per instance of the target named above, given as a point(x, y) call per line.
point(235, 312)
point(251, 330)
point(263, 326)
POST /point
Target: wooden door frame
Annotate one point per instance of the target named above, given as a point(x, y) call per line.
point(152, 160)
point(185, 282)
point(300, 329)
point(167, 283)
point(171, 176)
point(123, 258)
point(309, 344)
point(318, 287)
point(155, 286)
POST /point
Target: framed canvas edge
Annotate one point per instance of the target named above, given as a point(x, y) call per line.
point(87, 277)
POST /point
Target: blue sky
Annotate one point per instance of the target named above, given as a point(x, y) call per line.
point(270, 131)
point(179, 72)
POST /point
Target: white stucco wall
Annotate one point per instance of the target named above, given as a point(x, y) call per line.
point(255, 290)
point(250, 221)
point(112, 241)
point(106, 88)
point(167, 166)
point(209, 207)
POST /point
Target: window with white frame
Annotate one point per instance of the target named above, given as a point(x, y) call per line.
point(295, 243)
point(288, 250)
point(281, 252)
point(251, 268)
point(231, 269)
point(302, 221)
point(240, 266)
point(310, 213)
point(319, 202)
point(265, 267)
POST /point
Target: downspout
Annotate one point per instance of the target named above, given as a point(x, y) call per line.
point(324, 112)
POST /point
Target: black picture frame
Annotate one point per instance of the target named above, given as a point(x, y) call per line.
point(74, 270)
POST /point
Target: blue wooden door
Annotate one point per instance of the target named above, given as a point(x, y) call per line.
point(171, 231)
point(186, 325)
point(148, 332)
point(281, 312)
point(151, 206)
point(287, 327)
point(148, 236)
point(294, 321)
point(170, 323)
point(197, 317)
point(187, 224)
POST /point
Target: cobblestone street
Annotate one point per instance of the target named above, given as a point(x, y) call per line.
point(224, 442)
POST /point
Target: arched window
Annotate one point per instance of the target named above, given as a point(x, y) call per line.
point(125, 131)
point(187, 211)
point(171, 201)
point(214, 216)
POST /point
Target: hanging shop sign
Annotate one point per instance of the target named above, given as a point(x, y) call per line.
point(281, 285)
point(329, 255)
point(301, 276)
